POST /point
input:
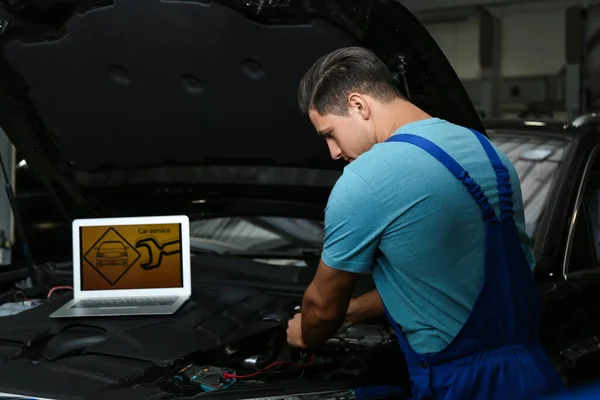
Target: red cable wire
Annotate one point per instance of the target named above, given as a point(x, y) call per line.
point(230, 376)
point(58, 288)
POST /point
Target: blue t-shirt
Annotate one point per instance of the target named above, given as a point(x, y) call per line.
point(428, 230)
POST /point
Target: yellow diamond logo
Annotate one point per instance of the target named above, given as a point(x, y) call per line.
point(111, 256)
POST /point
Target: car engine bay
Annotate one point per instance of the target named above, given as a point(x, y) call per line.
point(353, 351)
point(226, 340)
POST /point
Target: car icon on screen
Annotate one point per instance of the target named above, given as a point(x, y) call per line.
point(111, 253)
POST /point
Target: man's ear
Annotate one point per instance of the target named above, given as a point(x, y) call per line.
point(358, 104)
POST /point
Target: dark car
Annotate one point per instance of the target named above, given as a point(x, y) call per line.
point(111, 252)
point(147, 107)
point(557, 165)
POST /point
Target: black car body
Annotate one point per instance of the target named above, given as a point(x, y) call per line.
point(558, 167)
point(134, 107)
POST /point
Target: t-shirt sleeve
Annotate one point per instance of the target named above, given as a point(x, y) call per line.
point(353, 224)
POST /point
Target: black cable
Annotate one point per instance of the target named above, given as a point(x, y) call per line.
point(402, 69)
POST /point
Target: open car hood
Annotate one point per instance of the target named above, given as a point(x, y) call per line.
point(109, 101)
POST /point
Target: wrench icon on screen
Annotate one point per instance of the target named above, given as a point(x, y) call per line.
point(157, 250)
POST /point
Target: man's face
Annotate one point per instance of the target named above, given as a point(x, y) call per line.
point(346, 136)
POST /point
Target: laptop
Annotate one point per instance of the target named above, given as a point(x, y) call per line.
point(129, 266)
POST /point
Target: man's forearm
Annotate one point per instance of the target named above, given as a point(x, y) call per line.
point(320, 322)
point(369, 305)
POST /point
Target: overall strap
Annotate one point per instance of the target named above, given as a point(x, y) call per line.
point(454, 167)
point(505, 191)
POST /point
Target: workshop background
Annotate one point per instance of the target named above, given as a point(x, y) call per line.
point(520, 58)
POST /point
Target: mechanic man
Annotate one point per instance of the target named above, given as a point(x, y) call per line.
point(452, 265)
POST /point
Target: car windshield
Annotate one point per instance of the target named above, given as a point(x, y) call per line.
point(274, 240)
point(537, 160)
point(287, 241)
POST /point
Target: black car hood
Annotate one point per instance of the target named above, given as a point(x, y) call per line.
point(192, 97)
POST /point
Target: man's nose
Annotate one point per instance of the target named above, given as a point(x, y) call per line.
point(335, 151)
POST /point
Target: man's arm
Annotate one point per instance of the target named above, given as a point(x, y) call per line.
point(369, 305)
point(325, 303)
point(354, 223)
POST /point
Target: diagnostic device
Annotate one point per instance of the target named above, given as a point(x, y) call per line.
point(206, 377)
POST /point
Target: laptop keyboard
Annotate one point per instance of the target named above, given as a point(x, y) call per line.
point(129, 302)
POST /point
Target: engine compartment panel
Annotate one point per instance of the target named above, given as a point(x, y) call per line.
point(72, 377)
point(211, 316)
point(233, 328)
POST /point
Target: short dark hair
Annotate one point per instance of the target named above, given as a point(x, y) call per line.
point(327, 84)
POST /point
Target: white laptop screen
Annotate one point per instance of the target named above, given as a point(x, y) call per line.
point(140, 256)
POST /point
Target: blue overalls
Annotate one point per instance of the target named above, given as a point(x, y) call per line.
point(497, 353)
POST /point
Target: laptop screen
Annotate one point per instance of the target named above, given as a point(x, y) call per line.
point(140, 256)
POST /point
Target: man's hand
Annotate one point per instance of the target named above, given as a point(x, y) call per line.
point(294, 332)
